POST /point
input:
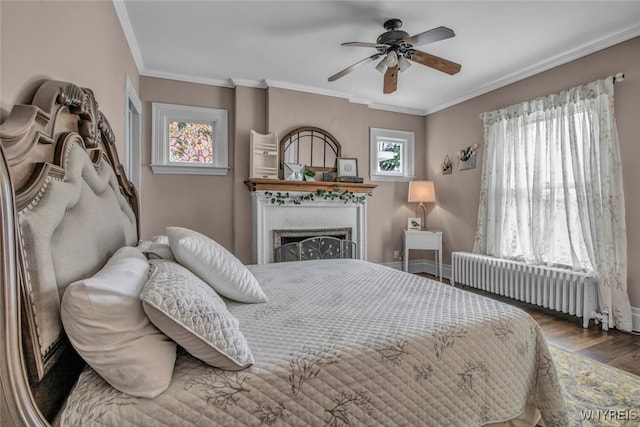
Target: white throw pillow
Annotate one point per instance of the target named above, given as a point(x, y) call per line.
point(106, 324)
point(215, 265)
point(185, 308)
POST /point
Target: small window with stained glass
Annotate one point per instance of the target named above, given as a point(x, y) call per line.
point(189, 140)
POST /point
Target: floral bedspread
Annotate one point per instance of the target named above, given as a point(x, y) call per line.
point(346, 342)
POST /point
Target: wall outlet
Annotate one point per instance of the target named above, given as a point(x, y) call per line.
point(396, 254)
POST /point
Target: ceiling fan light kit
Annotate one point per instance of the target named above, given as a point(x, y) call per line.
point(398, 50)
point(403, 63)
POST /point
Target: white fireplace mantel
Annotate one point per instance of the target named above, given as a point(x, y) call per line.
point(308, 215)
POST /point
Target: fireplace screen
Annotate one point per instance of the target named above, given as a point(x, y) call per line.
point(319, 247)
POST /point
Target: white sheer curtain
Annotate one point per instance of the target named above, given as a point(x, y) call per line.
point(551, 189)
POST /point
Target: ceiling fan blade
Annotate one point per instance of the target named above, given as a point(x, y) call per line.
point(435, 62)
point(430, 36)
point(390, 80)
point(364, 44)
point(354, 66)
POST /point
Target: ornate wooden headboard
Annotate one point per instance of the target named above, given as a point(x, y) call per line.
point(65, 207)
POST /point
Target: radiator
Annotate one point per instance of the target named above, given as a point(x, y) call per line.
point(566, 291)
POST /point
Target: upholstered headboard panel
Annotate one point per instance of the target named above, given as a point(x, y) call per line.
point(67, 233)
point(70, 208)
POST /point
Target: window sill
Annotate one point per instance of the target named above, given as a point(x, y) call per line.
point(189, 170)
point(388, 178)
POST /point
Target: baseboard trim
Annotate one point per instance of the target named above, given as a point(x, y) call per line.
point(635, 318)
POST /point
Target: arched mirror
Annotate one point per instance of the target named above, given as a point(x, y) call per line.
point(312, 147)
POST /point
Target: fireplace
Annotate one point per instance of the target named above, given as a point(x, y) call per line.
point(282, 237)
point(303, 219)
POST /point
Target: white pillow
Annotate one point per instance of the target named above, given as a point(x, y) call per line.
point(106, 324)
point(191, 313)
point(215, 265)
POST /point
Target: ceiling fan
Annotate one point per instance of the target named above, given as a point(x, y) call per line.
point(397, 48)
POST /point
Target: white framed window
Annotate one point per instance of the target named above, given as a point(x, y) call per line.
point(391, 155)
point(189, 140)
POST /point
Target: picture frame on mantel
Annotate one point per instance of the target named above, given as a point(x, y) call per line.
point(347, 166)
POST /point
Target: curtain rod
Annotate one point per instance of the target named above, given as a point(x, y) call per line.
point(618, 78)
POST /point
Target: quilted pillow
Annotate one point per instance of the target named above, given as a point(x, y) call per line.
point(106, 324)
point(215, 265)
point(191, 313)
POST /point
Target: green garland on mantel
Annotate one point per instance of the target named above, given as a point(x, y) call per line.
point(297, 199)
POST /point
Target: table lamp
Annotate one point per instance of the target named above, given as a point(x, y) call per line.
point(422, 191)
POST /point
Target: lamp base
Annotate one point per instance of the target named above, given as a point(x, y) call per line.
point(422, 215)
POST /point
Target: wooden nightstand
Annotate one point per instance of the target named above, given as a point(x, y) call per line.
point(427, 240)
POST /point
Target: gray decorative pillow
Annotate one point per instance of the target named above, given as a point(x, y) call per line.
point(187, 310)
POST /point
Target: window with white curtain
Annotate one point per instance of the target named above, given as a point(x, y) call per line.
point(551, 189)
point(540, 179)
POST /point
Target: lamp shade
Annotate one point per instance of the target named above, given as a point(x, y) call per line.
point(422, 191)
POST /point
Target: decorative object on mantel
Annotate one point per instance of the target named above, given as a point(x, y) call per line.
point(352, 179)
point(264, 155)
point(422, 192)
point(347, 166)
point(328, 176)
point(311, 146)
point(467, 158)
point(309, 174)
point(293, 172)
point(446, 166)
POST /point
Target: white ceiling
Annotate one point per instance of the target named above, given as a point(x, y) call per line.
point(296, 44)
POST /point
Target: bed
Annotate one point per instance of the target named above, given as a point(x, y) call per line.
point(336, 342)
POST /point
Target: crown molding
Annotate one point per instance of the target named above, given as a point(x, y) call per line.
point(561, 59)
point(189, 79)
point(350, 97)
point(258, 84)
point(127, 29)
point(397, 109)
point(307, 89)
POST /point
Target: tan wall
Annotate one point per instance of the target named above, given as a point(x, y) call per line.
point(459, 126)
point(387, 210)
point(251, 114)
point(78, 42)
point(200, 202)
point(220, 207)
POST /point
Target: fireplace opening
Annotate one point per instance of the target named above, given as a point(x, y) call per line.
point(282, 237)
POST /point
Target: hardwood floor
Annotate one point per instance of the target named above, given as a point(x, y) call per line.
point(614, 348)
